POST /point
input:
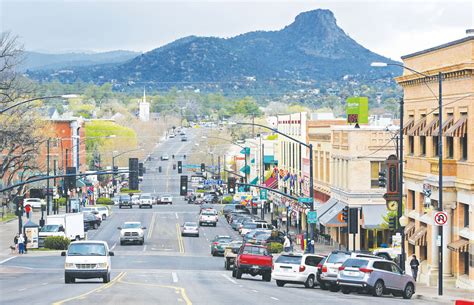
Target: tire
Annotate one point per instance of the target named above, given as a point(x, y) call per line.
point(120, 206)
point(142, 242)
point(334, 287)
point(121, 243)
point(73, 279)
point(95, 226)
point(213, 253)
point(139, 206)
point(324, 286)
point(106, 278)
point(345, 290)
point(238, 274)
point(378, 289)
point(408, 291)
point(267, 277)
point(280, 283)
point(67, 280)
point(233, 272)
point(104, 217)
point(77, 238)
point(197, 235)
point(309, 282)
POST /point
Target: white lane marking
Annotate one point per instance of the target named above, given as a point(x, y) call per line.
point(174, 276)
point(273, 298)
point(6, 260)
point(177, 216)
point(152, 224)
point(144, 248)
point(113, 247)
point(228, 278)
point(22, 289)
point(44, 284)
point(254, 290)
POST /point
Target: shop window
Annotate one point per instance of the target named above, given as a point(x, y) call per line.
point(411, 145)
point(411, 199)
point(449, 147)
point(423, 253)
point(423, 145)
point(466, 215)
point(464, 148)
point(436, 146)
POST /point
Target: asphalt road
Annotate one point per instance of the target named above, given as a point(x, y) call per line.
point(167, 269)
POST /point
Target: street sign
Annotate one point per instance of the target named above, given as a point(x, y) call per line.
point(440, 218)
point(263, 194)
point(305, 200)
point(312, 216)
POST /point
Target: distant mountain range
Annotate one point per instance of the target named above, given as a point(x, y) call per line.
point(311, 49)
point(44, 61)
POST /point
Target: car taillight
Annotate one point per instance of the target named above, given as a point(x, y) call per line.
point(325, 269)
point(365, 270)
point(215, 243)
point(302, 268)
point(341, 268)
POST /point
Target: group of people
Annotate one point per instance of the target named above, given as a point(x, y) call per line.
point(20, 241)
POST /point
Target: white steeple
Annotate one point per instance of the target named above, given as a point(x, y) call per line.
point(144, 108)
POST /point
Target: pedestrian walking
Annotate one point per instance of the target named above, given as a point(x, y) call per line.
point(414, 264)
point(286, 244)
point(21, 244)
point(25, 243)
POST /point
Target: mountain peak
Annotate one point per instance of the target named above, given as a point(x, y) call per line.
point(319, 16)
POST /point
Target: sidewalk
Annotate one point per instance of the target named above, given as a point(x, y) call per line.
point(450, 295)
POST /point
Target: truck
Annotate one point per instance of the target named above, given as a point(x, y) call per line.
point(254, 260)
point(69, 225)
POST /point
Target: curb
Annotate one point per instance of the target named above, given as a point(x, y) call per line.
point(447, 299)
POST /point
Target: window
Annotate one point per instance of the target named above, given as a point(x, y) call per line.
point(449, 147)
point(411, 145)
point(423, 145)
point(289, 259)
point(312, 260)
point(436, 146)
point(375, 168)
point(411, 199)
point(463, 141)
point(465, 212)
point(384, 266)
point(395, 269)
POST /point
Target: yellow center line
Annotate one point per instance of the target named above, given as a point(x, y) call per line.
point(103, 287)
point(180, 239)
point(152, 226)
point(181, 290)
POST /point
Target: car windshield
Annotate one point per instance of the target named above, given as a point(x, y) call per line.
point(145, 197)
point(262, 236)
point(87, 209)
point(134, 225)
point(50, 228)
point(250, 226)
point(355, 263)
point(255, 250)
point(124, 197)
point(208, 213)
point(86, 249)
point(338, 258)
point(289, 259)
point(190, 224)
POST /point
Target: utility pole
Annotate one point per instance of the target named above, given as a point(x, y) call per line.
point(48, 202)
point(400, 185)
point(65, 187)
point(440, 183)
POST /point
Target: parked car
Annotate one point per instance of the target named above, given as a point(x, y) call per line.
point(296, 269)
point(102, 211)
point(230, 253)
point(124, 201)
point(132, 232)
point(165, 157)
point(254, 260)
point(34, 203)
point(255, 225)
point(92, 220)
point(184, 139)
point(145, 200)
point(376, 276)
point(135, 199)
point(190, 228)
point(86, 260)
point(219, 243)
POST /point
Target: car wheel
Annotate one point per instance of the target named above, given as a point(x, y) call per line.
point(77, 238)
point(378, 289)
point(408, 291)
point(227, 264)
point(67, 280)
point(139, 206)
point(197, 235)
point(95, 226)
point(238, 274)
point(333, 288)
point(104, 217)
point(323, 286)
point(121, 243)
point(345, 290)
point(142, 242)
point(309, 282)
point(120, 206)
point(234, 273)
point(267, 277)
point(106, 278)
point(280, 283)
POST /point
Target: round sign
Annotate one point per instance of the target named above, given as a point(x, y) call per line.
point(340, 217)
point(440, 218)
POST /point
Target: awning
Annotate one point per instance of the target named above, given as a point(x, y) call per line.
point(271, 182)
point(430, 128)
point(408, 125)
point(245, 169)
point(325, 207)
point(460, 245)
point(372, 216)
point(331, 218)
point(254, 181)
point(419, 237)
point(252, 161)
point(245, 151)
point(409, 229)
point(269, 160)
point(459, 129)
point(447, 123)
point(418, 127)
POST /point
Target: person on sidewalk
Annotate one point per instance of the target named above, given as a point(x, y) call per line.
point(25, 243)
point(15, 241)
point(286, 244)
point(21, 245)
point(414, 264)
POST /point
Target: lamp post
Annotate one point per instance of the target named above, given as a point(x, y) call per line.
point(114, 183)
point(440, 167)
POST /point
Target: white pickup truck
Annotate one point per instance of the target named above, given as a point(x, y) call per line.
point(208, 217)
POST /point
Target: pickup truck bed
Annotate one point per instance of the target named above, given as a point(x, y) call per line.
point(253, 260)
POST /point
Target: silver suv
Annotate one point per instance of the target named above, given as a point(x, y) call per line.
point(376, 276)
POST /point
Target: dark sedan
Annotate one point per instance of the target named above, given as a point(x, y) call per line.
point(92, 221)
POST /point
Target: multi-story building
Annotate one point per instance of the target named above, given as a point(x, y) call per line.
point(455, 61)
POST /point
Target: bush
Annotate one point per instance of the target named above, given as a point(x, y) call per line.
point(62, 201)
point(126, 190)
point(104, 200)
point(56, 242)
point(275, 247)
point(227, 199)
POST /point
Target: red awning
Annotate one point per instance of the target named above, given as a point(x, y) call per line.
point(271, 182)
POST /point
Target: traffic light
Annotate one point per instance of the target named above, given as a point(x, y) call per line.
point(183, 189)
point(159, 169)
point(19, 206)
point(184, 156)
point(231, 185)
point(353, 224)
point(133, 175)
point(70, 181)
point(180, 167)
point(392, 223)
point(174, 166)
point(345, 212)
point(382, 179)
point(140, 169)
point(203, 167)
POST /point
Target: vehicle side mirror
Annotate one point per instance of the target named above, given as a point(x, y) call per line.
point(111, 253)
point(403, 272)
point(63, 253)
point(119, 228)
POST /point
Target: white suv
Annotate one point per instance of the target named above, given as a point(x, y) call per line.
point(34, 203)
point(145, 200)
point(296, 269)
point(208, 217)
point(132, 232)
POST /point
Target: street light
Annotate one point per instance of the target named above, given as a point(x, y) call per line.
point(440, 167)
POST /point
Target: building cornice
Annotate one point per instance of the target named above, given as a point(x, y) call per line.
point(463, 70)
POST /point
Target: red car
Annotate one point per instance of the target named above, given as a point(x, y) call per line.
point(253, 260)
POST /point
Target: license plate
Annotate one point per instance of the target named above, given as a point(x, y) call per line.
point(351, 273)
point(255, 267)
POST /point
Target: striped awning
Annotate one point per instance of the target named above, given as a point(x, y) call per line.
point(446, 124)
point(409, 229)
point(430, 128)
point(460, 245)
point(419, 237)
point(459, 129)
point(271, 182)
point(254, 181)
point(418, 127)
point(408, 125)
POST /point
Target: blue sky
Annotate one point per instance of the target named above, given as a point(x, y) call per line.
point(391, 27)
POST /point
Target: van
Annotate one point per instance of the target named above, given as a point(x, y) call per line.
point(87, 260)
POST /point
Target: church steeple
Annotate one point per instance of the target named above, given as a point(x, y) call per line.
point(144, 95)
